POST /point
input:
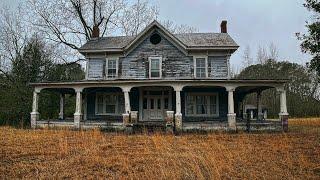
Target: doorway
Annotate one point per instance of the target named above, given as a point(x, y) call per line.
point(154, 102)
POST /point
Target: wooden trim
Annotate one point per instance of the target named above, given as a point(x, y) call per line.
point(160, 66)
point(195, 65)
point(117, 66)
point(148, 30)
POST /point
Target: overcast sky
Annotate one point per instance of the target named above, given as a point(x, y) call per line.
point(250, 22)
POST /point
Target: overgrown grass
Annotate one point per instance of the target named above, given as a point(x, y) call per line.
point(93, 154)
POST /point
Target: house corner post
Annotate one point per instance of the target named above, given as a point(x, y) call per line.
point(178, 115)
point(34, 115)
point(126, 115)
point(231, 114)
point(61, 112)
point(78, 111)
point(283, 115)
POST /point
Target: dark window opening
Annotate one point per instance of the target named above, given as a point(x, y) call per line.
point(155, 39)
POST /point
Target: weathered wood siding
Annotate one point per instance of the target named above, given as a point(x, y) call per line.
point(175, 64)
point(96, 68)
point(217, 67)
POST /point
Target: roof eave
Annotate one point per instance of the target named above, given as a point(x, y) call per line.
point(100, 50)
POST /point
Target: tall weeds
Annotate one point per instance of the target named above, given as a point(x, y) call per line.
point(94, 154)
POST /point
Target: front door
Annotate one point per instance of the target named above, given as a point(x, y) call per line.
point(155, 108)
point(155, 104)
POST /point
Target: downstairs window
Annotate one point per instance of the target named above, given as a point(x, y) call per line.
point(202, 104)
point(109, 103)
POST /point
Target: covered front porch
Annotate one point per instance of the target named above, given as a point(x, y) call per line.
point(182, 105)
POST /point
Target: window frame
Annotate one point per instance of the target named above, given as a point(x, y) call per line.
point(195, 105)
point(104, 94)
point(160, 66)
point(195, 66)
point(117, 67)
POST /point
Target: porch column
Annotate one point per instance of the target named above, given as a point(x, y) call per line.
point(259, 106)
point(283, 115)
point(231, 115)
point(126, 115)
point(34, 115)
point(178, 115)
point(78, 112)
point(61, 113)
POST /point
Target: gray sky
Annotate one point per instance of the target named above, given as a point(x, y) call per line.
point(250, 22)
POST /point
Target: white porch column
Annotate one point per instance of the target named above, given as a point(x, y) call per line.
point(283, 103)
point(78, 111)
point(231, 115)
point(34, 115)
point(283, 115)
point(178, 115)
point(61, 113)
point(126, 115)
point(259, 106)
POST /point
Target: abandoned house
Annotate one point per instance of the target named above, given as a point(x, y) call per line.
point(181, 81)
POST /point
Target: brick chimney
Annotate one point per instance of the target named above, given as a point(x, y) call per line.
point(95, 32)
point(224, 26)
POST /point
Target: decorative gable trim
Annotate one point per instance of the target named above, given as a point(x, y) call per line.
point(148, 31)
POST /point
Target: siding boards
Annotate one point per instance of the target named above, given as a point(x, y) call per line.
point(217, 67)
point(96, 68)
point(174, 63)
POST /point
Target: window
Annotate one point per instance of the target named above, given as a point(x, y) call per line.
point(100, 103)
point(200, 67)
point(202, 104)
point(109, 103)
point(111, 68)
point(155, 67)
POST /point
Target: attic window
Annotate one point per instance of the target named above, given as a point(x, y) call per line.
point(155, 39)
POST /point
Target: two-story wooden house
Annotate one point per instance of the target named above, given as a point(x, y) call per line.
point(179, 80)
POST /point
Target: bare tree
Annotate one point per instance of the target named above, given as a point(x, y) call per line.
point(12, 39)
point(247, 59)
point(72, 22)
point(135, 17)
point(262, 55)
point(273, 51)
point(178, 29)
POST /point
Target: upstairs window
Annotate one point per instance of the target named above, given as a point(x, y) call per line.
point(111, 68)
point(155, 67)
point(200, 67)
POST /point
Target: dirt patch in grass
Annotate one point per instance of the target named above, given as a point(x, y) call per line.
point(94, 154)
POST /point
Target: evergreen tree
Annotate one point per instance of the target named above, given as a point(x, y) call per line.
point(311, 40)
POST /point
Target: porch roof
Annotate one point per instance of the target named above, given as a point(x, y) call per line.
point(161, 82)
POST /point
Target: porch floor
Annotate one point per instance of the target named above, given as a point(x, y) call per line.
point(267, 125)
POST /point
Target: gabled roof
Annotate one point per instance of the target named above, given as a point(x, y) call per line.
point(186, 41)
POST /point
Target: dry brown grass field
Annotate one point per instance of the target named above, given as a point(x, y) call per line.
point(52, 154)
